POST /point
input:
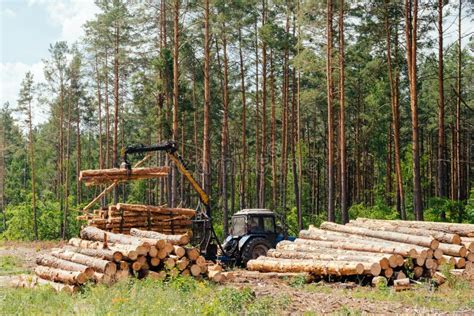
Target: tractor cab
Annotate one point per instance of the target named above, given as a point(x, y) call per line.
point(252, 233)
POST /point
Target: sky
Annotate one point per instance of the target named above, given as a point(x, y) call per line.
point(27, 28)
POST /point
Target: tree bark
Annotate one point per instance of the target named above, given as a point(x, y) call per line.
point(206, 159)
point(265, 264)
point(174, 239)
point(243, 169)
point(389, 226)
point(104, 254)
point(411, 26)
point(330, 119)
point(128, 251)
point(63, 276)
point(57, 263)
point(424, 241)
point(263, 151)
point(225, 132)
point(441, 165)
point(342, 128)
point(175, 94)
point(99, 265)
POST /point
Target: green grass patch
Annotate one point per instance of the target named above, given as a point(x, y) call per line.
point(444, 298)
point(10, 265)
point(180, 296)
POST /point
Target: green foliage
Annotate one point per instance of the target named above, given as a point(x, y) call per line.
point(470, 208)
point(378, 211)
point(180, 296)
point(10, 265)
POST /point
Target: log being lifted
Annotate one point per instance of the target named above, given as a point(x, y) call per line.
point(324, 235)
point(53, 262)
point(129, 251)
point(429, 242)
point(371, 267)
point(99, 265)
point(463, 230)
point(266, 264)
point(156, 209)
point(100, 176)
point(384, 225)
point(63, 276)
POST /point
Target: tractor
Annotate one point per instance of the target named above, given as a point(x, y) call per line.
point(252, 233)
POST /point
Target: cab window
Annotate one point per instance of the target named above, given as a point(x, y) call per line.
point(269, 224)
point(254, 225)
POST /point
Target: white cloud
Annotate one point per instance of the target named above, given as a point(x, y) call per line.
point(9, 13)
point(11, 75)
point(69, 15)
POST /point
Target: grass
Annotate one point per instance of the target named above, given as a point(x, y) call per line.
point(180, 296)
point(455, 295)
point(10, 265)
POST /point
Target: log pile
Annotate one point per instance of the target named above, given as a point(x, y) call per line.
point(121, 218)
point(380, 249)
point(103, 257)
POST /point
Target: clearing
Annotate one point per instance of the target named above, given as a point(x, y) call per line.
point(198, 297)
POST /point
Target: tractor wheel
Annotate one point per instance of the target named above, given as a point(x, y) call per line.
point(255, 248)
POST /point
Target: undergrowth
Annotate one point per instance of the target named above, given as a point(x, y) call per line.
point(180, 296)
point(11, 265)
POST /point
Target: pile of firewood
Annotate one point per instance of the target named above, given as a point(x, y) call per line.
point(104, 257)
point(121, 218)
point(391, 249)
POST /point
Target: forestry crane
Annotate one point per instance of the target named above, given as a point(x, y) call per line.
point(252, 233)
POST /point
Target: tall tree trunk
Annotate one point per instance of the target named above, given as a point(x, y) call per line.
point(107, 112)
point(79, 155)
point(284, 132)
point(257, 119)
point(342, 127)
point(441, 165)
point(66, 178)
point(273, 132)
point(411, 25)
point(388, 163)
point(225, 131)
point(263, 151)
point(116, 105)
point(243, 169)
point(33, 170)
point(206, 161)
point(2, 176)
point(393, 80)
point(61, 151)
point(175, 94)
point(330, 119)
point(458, 118)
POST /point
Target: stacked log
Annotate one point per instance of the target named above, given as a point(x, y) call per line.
point(104, 257)
point(390, 250)
point(122, 218)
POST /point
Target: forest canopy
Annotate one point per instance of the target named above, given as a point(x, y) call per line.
point(319, 110)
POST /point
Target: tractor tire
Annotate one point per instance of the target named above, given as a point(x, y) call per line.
point(255, 248)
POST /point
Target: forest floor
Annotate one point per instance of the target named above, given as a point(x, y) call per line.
point(198, 297)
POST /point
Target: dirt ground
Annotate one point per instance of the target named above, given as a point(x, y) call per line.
point(327, 298)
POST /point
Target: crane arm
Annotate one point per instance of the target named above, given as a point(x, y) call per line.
point(171, 149)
